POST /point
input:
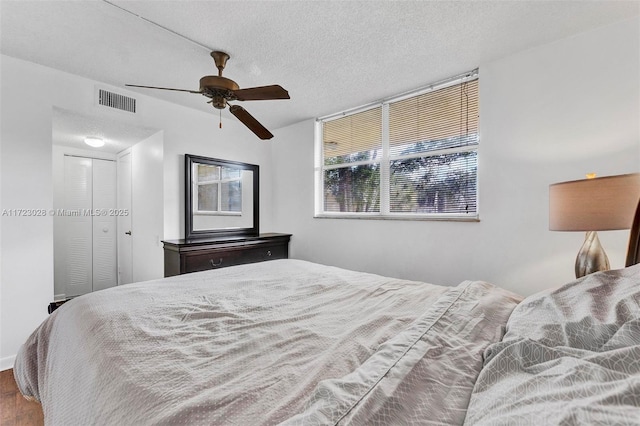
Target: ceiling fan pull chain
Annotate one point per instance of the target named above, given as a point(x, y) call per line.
point(220, 118)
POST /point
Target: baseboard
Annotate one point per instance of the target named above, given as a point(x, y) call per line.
point(7, 362)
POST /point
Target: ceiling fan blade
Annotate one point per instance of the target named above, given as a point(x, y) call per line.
point(262, 93)
point(248, 120)
point(164, 88)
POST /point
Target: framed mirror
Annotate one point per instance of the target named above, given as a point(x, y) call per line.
point(221, 198)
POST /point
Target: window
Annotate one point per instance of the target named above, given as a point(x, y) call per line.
point(410, 157)
point(218, 190)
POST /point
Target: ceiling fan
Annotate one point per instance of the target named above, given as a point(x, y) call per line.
point(221, 90)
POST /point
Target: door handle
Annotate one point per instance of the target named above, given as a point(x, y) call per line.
point(128, 232)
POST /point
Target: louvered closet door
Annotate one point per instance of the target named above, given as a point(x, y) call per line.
point(90, 239)
point(78, 247)
point(105, 268)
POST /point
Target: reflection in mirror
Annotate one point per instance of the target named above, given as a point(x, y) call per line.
point(221, 197)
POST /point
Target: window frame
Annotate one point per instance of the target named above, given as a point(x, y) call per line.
point(386, 159)
point(218, 182)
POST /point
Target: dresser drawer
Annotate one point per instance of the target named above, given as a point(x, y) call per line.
point(214, 259)
point(266, 252)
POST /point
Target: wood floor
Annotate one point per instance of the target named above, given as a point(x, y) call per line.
point(15, 410)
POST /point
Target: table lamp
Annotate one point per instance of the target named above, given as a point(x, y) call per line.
point(591, 205)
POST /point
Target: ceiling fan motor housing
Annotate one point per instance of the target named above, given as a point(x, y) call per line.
point(219, 89)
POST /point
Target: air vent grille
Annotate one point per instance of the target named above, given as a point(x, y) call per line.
point(115, 100)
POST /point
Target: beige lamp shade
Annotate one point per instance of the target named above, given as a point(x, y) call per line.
point(598, 204)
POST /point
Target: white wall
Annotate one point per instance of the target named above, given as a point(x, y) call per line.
point(548, 114)
point(6, 359)
point(26, 280)
point(147, 224)
point(26, 283)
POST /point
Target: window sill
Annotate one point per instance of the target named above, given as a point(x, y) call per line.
point(374, 216)
point(221, 213)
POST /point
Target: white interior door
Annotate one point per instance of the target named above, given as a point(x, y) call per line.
point(105, 272)
point(125, 262)
point(77, 226)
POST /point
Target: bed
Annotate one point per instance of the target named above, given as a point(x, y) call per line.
point(296, 343)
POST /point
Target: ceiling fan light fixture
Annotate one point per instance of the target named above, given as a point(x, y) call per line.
point(94, 142)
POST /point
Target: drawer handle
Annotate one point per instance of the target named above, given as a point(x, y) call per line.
point(268, 253)
point(214, 264)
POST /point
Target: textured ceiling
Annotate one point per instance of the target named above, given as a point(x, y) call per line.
point(330, 55)
point(70, 128)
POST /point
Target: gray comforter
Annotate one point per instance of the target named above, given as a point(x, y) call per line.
point(570, 356)
point(279, 341)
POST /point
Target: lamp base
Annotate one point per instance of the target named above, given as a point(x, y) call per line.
point(591, 257)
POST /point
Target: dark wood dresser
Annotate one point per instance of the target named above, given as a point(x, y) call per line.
point(184, 256)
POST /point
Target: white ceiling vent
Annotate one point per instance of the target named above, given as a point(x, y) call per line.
point(116, 100)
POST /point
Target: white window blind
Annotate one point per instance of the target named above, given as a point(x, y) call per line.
point(352, 155)
point(350, 138)
point(413, 156)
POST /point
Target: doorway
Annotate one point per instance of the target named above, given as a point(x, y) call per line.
point(136, 154)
